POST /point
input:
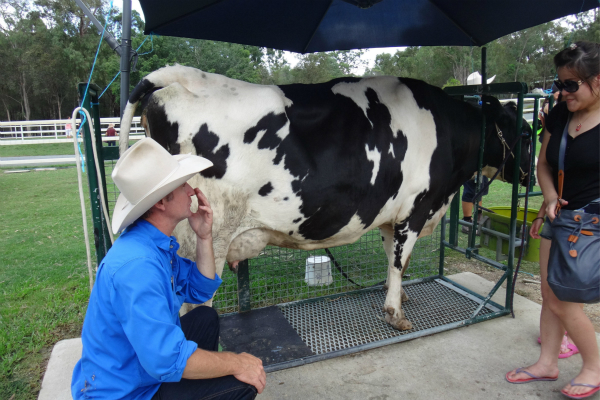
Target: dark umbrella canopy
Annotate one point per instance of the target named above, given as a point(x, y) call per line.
point(306, 26)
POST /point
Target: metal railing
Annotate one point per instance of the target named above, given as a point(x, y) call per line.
point(56, 131)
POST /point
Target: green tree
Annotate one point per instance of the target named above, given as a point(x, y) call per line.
point(385, 64)
point(322, 67)
point(276, 70)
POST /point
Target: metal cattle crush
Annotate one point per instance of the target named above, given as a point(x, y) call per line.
point(268, 309)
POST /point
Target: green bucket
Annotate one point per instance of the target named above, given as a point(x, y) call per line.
point(500, 222)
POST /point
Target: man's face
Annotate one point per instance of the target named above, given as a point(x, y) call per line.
point(178, 207)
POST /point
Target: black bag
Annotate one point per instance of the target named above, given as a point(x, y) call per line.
point(574, 262)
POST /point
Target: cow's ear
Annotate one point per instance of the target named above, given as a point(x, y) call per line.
point(491, 107)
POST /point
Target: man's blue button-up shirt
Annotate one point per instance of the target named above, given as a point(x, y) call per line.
point(132, 337)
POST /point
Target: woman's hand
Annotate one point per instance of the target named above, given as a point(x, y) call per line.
point(535, 228)
point(551, 208)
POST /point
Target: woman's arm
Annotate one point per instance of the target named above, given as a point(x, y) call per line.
point(537, 222)
point(546, 180)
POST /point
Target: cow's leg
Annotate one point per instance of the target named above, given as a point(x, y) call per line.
point(404, 240)
point(387, 236)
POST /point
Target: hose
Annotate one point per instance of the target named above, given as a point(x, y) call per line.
point(86, 117)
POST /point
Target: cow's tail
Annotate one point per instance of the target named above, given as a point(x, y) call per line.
point(142, 89)
point(126, 126)
point(152, 82)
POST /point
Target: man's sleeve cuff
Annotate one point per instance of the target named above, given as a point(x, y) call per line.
point(201, 287)
point(188, 348)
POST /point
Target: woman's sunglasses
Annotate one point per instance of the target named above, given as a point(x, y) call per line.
point(568, 85)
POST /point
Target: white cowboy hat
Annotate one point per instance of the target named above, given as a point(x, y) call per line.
point(146, 173)
point(475, 79)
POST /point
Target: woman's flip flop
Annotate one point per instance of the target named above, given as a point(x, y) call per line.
point(532, 378)
point(583, 395)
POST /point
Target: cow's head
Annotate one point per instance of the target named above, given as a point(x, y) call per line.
point(501, 134)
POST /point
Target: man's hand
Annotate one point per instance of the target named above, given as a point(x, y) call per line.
point(201, 221)
point(204, 364)
point(250, 370)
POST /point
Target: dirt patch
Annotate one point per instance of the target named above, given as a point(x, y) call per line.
point(527, 286)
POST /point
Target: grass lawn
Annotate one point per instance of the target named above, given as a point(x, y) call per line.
point(43, 274)
point(49, 149)
point(44, 283)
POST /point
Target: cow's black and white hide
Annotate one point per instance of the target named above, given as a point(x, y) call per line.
point(314, 166)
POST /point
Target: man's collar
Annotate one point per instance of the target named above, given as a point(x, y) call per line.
point(161, 240)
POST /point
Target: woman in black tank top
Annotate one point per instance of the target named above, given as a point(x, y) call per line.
point(578, 69)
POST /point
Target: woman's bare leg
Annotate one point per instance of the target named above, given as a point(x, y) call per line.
point(551, 328)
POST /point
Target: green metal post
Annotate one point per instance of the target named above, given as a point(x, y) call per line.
point(454, 208)
point(442, 245)
point(472, 237)
point(515, 200)
point(534, 129)
point(101, 235)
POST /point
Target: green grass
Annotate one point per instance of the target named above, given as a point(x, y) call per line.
point(43, 274)
point(50, 149)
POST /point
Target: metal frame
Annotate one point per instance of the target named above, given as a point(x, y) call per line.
point(520, 89)
point(90, 102)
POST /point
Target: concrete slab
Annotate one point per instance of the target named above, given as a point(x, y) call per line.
point(57, 379)
point(465, 363)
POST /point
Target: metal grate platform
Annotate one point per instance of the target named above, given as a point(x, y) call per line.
point(336, 323)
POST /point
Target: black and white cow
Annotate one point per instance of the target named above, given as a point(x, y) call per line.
point(314, 166)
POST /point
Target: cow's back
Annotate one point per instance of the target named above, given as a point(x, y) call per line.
point(318, 163)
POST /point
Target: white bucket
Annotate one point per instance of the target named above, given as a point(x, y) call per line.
point(318, 271)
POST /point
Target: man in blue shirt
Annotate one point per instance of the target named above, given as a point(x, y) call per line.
point(134, 344)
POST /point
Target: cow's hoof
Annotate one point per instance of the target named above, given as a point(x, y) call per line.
point(386, 287)
point(397, 321)
point(404, 297)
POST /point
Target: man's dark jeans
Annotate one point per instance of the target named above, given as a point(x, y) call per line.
point(202, 326)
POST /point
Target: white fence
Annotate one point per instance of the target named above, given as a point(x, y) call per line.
point(55, 131)
point(528, 104)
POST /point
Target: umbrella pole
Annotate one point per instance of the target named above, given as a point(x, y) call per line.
point(125, 53)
